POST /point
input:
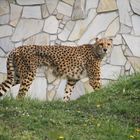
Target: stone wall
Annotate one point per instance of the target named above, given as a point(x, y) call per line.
point(71, 22)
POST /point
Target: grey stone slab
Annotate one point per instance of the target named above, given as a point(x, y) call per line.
point(135, 6)
point(136, 24)
point(5, 30)
point(133, 43)
point(110, 72)
point(128, 52)
point(51, 5)
point(79, 90)
point(117, 56)
point(99, 24)
point(79, 10)
point(31, 12)
point(39, 39)
point(15, 14)
point(38, 89)
point(113, 28)
point(14, 91)
point(117, 40)
point(26, 28)
point(64, 9)
point(106, 6)
point(71, 2)
point(17, 44)
point(67, 30)
point(91, 4)
point(30, 2)
point(51, 25)
point(3, 65)
point(68, 43)
point(4, 19)
point(127, 66)
point(4, 7)
point(6, 44)
point(45, 12)
point(81, 26)
point(124, 8)
point(60, 90)
point(2, 53)
point(124, 29)
point(50, 76)
point(53, 37)
point(135, 62)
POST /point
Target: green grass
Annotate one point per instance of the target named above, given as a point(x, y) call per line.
point(112, 113)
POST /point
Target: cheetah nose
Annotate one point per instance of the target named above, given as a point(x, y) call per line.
point(105, 50)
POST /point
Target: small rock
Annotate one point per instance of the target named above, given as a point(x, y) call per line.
point(59, 16)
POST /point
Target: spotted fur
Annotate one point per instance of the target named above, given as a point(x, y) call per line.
point(65, 61)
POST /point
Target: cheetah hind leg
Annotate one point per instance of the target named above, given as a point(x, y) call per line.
point(69, 89)
point(25, 85)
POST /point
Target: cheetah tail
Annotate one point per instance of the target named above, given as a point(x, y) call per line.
point(7, 84)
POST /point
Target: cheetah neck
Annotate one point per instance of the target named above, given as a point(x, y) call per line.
point(94, 51)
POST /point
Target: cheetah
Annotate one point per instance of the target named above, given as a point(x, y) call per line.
point(66, 61)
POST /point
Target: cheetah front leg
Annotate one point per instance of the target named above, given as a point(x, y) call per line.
point(94, 76)
point(95, 82)
point(68, 90)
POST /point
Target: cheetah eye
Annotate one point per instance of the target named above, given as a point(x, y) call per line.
point(108, 44)
point(101, 44)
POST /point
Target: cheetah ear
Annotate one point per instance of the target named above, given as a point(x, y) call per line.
point(111, 39)
point(96, 38)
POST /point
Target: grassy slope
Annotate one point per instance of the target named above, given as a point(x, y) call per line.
point(113, 113)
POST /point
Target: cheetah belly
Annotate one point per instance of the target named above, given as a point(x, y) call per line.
point(76, 74)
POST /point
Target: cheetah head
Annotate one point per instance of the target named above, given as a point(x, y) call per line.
point(102, 46)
